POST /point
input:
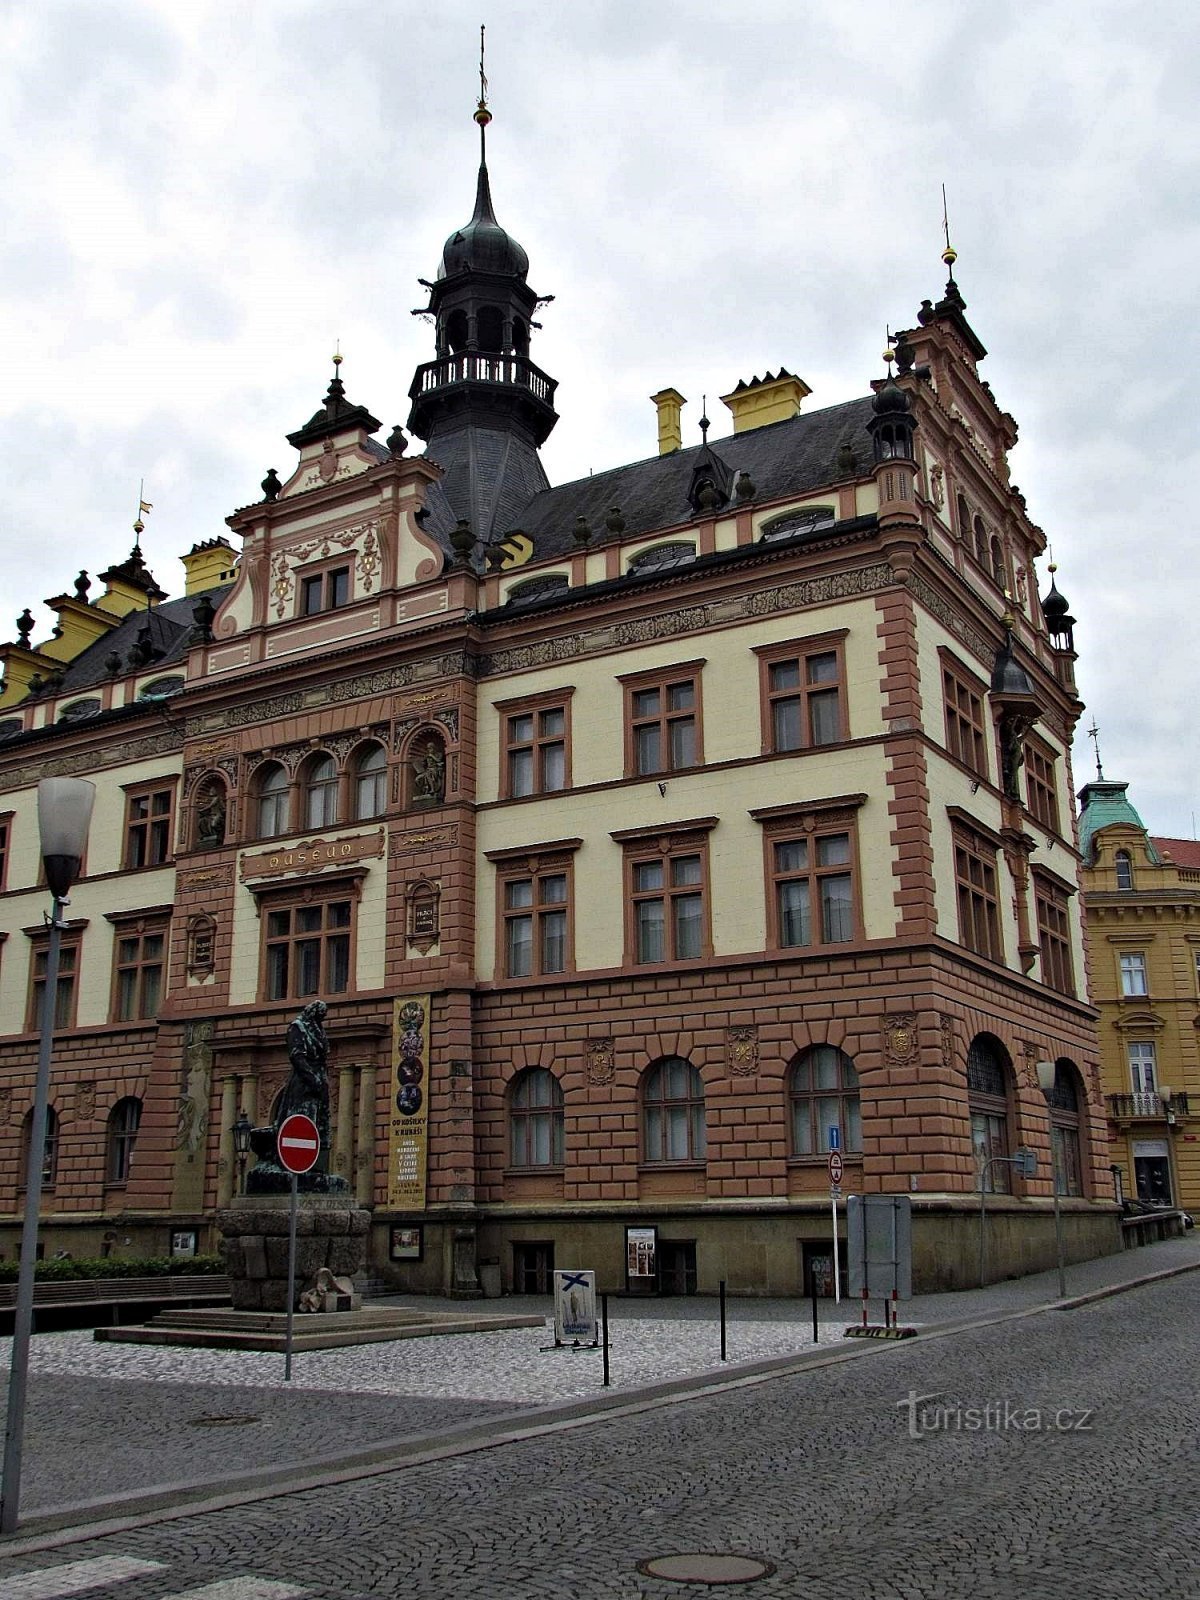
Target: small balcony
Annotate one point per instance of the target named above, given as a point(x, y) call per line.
point(1135, 1107)
point(476, 366)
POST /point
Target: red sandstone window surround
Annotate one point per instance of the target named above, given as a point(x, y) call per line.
point(535, 922)
point(535, 1120)
point(1041, 788)
point(149, 816)
point(1054, 931)
point(123, 1122)
point(666, 893)
point(989, 1086)
point(139, 963)
point(823, 1093)
point(663, 720)
point(673, 1124)
point(536, 744)
point(49, 1150)
point(812, 875)
point(369, 774)
point(802, 684)
point(308, 938)
point(963, 696)
point(68, 972)
point(273, 800)
point(978, 894)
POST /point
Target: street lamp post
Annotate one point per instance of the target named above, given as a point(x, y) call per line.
point(64, 816)
point(1047, 1072)
point(242, 1129)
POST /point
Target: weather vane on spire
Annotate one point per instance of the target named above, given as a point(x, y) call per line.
point(144, 506)
point(1093, 734)
point(482, 115)
point(949, 254)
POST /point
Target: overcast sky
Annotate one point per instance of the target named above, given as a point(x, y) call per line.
point(200, 198)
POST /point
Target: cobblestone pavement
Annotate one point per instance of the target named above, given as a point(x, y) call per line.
point(818, 1472)
point(171, 1416)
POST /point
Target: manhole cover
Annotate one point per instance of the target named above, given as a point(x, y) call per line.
point(700, 1567)
point(222, 1422)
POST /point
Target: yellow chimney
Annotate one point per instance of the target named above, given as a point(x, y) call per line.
point(766, 400)
point(208, 565)
point(670, 433)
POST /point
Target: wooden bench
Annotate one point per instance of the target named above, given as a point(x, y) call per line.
point(98, 1294)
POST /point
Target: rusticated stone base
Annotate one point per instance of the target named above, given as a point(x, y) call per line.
point(330, 1232)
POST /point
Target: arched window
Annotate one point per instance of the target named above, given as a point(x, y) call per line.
point(823, 1094)
point(273, 801)
point(49, 1148)
point(989, 1076)
point(1063, 1101)
point(456, 331)
point(321, 793)
point(535, 1120)
point(659, 556)
point(123, 1122)
point(489, 325)
point(964, 519)
point(998, 572)
point(981, 543)
point(370, 783)
point(673, 1111)
point(1124, 864)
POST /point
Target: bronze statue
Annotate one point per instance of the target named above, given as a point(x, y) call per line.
point(307, 1092)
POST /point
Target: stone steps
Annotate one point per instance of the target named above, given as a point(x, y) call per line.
point(258, 1330)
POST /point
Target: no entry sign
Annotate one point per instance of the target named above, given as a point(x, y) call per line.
point(298, 1142)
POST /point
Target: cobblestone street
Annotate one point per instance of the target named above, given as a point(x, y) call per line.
point(818, 1473)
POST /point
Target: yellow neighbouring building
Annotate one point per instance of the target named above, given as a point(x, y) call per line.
point(1142, 899)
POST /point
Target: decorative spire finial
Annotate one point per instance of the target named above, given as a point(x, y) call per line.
point(338, 357)
point(139, 527)
point(889, 351)
point(1093, 734)
point(949, 254)
point(704, 422)
point(482, 115)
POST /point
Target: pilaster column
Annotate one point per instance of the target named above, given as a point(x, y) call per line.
point(364, 1160)
point(227, 1163)
point(343, 1127)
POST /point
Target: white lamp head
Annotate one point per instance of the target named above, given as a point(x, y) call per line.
point(64, 816)
point(1046, 1072)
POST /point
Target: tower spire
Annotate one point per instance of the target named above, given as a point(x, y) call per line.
point(1093, 734)
point(482, 115)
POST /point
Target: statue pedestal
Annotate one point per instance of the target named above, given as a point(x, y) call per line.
point(331, 1231)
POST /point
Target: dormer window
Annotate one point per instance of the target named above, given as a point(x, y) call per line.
point(661, 556)
point(324, 591)
point(798, 523)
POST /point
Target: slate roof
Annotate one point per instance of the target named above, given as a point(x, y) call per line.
point(170, 624)
point(491, 476)
point(790, 458)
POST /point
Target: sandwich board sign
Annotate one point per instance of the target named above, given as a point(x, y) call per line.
point(575, 1307)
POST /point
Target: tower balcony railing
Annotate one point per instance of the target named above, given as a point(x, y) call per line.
point(478, 366)
point(1128, 1107)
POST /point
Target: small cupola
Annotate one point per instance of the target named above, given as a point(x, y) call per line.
point(892, 423)
point(1060, 624)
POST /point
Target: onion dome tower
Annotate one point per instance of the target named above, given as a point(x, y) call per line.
point(481, 406)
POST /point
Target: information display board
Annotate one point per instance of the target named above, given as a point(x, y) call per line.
point(575, 1307)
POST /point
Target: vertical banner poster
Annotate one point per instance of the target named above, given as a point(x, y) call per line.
point(408, 1143)
point(641, 1251)
point(575, 1307)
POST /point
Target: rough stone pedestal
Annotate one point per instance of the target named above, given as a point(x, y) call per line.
point(331, 1231)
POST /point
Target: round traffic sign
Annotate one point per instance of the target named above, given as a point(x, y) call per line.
point(835, 1166)
point(298, 1142)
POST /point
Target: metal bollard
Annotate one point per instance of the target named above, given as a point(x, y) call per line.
point(816, 1328)
point(724, 1347)
point(604, 1333)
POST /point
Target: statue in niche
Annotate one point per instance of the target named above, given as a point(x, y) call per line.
point(307, 1092)
point(210, 816)
point(428, 774)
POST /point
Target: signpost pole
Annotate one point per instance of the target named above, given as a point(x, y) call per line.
point(837, 1272)
point(835, 1188)
point(291, 1292)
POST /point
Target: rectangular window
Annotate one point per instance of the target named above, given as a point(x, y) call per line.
point(68, 971)
point(307, 945)
point(139, 965)
point(1054, 935)
point(535, 754)
point(668, 900)
point(5, 840)
point(804, 693)
point(535, 924)
point(966, 738)
point(662, 718)
point(1040, 787)
point(978, 898)
point(148, 819)
point(324, 591)
point(814, 889)
point(1133, 973)
point(1142, 1074)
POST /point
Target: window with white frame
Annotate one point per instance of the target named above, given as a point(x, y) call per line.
point(1142, 1066)
point(1133, 972)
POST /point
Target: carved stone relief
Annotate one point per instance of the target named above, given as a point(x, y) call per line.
point(741, 1050)
point(600, 1061)
point(900, 1042)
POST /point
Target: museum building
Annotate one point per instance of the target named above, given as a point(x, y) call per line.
point(645, 835)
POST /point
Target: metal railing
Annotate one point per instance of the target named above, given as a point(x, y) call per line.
point(1145, 1105)
point(475, 366)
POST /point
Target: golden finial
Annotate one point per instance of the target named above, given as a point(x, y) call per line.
point(338, 357)
point(482, 115)
point(949, 254)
